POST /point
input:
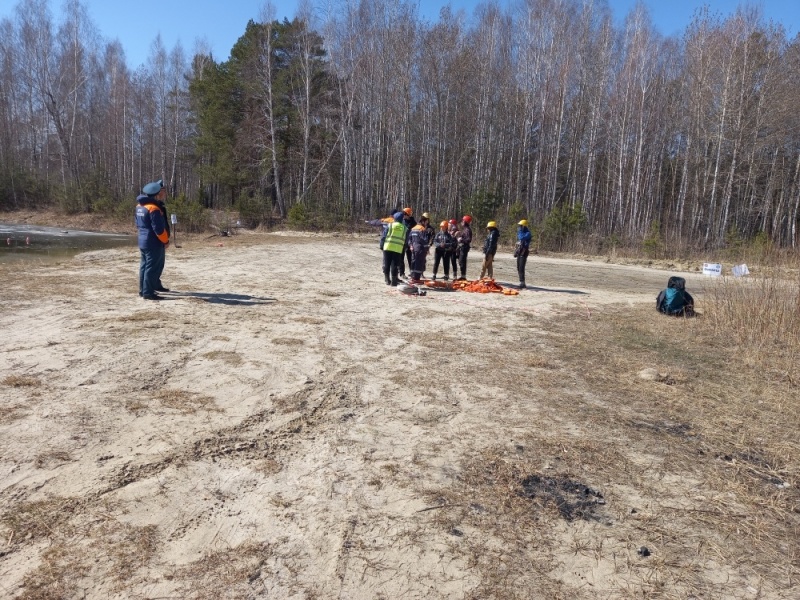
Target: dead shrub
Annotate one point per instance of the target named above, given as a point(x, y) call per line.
point(21, 381)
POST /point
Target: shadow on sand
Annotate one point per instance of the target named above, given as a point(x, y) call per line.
point(542, 289)
point(229, 299)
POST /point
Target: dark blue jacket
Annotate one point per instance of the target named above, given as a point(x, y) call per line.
point(523, 237)
point(444, 241)
point(151, 224)
point(490, 244)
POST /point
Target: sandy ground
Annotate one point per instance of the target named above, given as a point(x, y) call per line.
point(280, 427)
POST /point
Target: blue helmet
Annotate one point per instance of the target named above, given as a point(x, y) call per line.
point(398, 216)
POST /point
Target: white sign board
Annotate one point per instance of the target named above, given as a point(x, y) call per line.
point(174, 218)
point(712, 269)
point(740, 271)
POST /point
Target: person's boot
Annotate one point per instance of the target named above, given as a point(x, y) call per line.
point(395, 281)
point(388, 281)
point(522, 285)
point(446, 277)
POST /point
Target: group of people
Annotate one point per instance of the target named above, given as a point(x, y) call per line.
point(404, 239)
point(154, 232)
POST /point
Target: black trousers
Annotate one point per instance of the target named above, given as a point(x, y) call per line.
point(442, 255)
point(392, 263)
point(453, 258)
point(522, 260)
point(462, 260)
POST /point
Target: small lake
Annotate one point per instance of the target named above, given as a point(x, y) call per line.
point(34, 242)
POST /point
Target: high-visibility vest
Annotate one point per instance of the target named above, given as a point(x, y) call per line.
point(395, 238)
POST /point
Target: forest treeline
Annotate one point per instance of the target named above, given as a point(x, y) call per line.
point(544, 109)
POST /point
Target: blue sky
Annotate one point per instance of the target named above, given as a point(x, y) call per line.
point(220, 23)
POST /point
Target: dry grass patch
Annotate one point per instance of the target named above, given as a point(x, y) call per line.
point(39, 518)
point(762, 316)
point(503, 513)
point(12, 413)
point(136, 405)
point(112, 552)
point(716, 418)
point(232, 574)
point(267, 466)
point(231, 358)
point(57, 577)
point(21, 381)
point(139, 317)
point(698, 464)
point(403, 378)
point(288, 341)
point(310, 320)
point(536, 361)
point(52, 459)
point(185, 402)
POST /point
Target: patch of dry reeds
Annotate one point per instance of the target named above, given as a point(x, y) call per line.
point(760, 314)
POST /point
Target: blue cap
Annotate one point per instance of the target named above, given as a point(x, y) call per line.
point(398, 216)
point(152, 188)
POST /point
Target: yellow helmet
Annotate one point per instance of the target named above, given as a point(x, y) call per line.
point(491, 224)
point(524, 223)
point(426, 216)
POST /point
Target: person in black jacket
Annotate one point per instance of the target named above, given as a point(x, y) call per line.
point(443, 246)
point(489, 249)
point(430, 230)
point(410, 222)
point(464, 239)
point(452, 229)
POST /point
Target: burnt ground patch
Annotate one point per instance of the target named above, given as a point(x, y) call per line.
point(573, 499)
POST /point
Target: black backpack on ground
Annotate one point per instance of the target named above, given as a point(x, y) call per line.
point(675, 300)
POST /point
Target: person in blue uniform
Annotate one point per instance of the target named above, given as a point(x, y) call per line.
point(153, 238)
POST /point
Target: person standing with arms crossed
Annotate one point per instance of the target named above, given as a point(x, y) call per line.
point(153, 239)
point(443, 246)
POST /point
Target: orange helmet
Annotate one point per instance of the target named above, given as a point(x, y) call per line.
point(408, 211)
point(443, 224)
